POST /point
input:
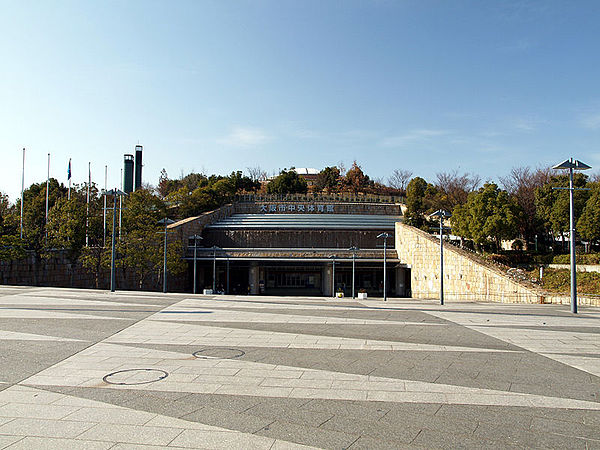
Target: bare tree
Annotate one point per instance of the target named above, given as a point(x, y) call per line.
point(256, 173)
point(456, 187)
point(399, 179)
point(522, 183)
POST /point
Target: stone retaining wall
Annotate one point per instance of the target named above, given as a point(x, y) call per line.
point(58, 271)
point(465, 278)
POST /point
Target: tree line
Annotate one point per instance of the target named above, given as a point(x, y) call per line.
point(525, 206)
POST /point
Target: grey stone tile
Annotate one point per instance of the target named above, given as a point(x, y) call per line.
point(437, 439)
point(316, 437)
point(245, 423)
point(368, 443)
point(289, 413)
point(348, 408)
point(377, 429)
point(545, 425)
point(430, 422)
point(522, 438)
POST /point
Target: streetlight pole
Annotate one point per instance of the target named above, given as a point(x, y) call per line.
point(353, 248)
point(572, 164)
point(385, 236)
point(166, 221)
point(333, 276)
point(195, 238)
point(442, 215)
point(114, 193)
point(214, 269)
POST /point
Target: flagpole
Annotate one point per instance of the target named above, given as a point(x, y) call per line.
point(22, 190)
point(120, 204)
point(47, 188)
point(105, 179)
point(69, 176)
point(87, 208)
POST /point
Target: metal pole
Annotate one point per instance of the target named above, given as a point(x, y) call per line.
point(69, 194)
point(22, 191)
point(104, 226)
point(120, 204)
point(227, 287)
point(165, 258)
point(384, 267)
point(87, 208)
point(47, 188)
point(353, 263)
point(214, 269)
point(573, 263)
point(195, 249)
point(112, 257)
point(333, 277)
point(441, 261)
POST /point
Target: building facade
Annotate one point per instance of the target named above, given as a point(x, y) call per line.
point(310, 246)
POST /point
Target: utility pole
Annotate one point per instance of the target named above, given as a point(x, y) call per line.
point(353, 248)
point(22, 191)
point(385, 237)
point(442, 215)
point(166, 221)
point(572, 164)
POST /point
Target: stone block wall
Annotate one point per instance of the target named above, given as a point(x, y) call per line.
point(465, 278)
point(58, 271)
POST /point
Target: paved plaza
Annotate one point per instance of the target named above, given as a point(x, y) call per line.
point(129, 370)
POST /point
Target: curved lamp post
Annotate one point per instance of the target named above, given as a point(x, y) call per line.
point(195, 238)
point(571, 165)
point(114, 193)
point(385, 237)
point(442, 215)
point(166, 221)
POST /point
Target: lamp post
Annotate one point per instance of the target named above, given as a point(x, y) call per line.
point(571, 165)
point(166, 221)
point(214, 249)
point(442, 215)
point(385, 237)
point(333, 275)
point(353, 249)
point(195, 238)
point(114, 193)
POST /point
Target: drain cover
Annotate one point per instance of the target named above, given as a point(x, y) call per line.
point(135, 376)
point(219, 353)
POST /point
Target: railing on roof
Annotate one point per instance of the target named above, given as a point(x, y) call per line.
point(344, 197)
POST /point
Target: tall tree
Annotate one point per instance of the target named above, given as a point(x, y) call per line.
point(415, 202)
point(588, 224)
point(489, 213)
point(522, 183)
point(328, 179)
point(356, 180)
point(399, 179)
point(287, 182)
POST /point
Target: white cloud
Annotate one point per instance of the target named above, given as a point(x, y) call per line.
point(245, 137)
point(591, 121)
point(422, 134)
point(527, 123)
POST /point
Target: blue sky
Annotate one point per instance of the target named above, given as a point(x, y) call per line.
point(217, 86)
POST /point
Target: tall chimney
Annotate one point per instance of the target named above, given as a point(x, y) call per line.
point(138, 167)
point(128, 173)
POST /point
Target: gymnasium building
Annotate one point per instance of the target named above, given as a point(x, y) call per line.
point(296, 245)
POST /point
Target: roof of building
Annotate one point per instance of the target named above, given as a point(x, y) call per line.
point(307, 221)
point(306, 171)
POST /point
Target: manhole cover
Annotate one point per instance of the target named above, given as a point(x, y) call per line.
point(219, 353)
point(135, 376)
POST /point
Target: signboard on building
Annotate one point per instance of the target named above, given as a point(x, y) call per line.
point(296, 208)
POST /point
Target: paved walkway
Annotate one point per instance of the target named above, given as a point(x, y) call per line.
point(91, 369)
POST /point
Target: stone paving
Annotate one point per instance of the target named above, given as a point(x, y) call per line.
point(129, 370)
